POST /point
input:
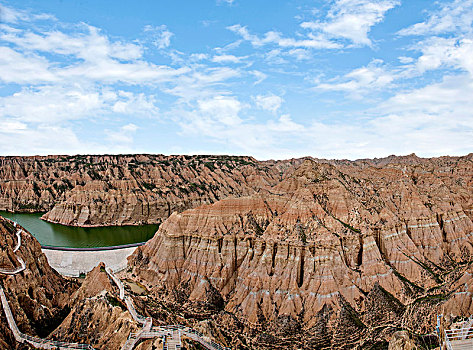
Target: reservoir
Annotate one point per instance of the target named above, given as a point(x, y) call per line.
point(56, 235)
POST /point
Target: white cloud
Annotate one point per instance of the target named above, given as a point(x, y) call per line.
point(94, 58)
point(19, 68)
point(275, 56)
point(369, 78)
point(136, 104)
point(227, 59)
point(270, 102)
point(90, 44)
point(452, 52)
point(198, 56)
point(352, 19)
point(10, 15)
point(160, 35)
point(347, 19)
point(201, 84)
point(42, 139)
point(450, 98)
point(405, 59)
point(11, 126)
point(49, 105)
point(400, 133)
point(260, 76)
point(221, 110)
point(260, 139)
point(312, 41)
point(123, 136)
point(453, 17)
point(300, 54)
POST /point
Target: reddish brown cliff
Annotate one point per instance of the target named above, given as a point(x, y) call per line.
point(343, 235)
point(302, 254)
point(127, 190)
point(38, 296)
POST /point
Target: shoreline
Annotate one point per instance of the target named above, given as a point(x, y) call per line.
point(93, 249)
point(42, 213)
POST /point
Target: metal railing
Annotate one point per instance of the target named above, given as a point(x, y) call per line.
point(197, 336)
point(36, 342)
point(20, 260)
point(22, 337)
point(117, 281)
point(131, 309)
point(460, 338)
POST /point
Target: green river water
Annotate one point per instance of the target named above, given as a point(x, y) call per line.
point(79, 237)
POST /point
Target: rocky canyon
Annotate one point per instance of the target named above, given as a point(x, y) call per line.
point(296, 254)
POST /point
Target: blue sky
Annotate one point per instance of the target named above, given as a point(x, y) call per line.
point(330, 79)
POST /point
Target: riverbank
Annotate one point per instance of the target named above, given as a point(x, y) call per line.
point(56, 235)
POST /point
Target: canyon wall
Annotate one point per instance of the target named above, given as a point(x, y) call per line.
point(127, 189)
point(38, 296)
point(298, 254)
point(338, 246)
point(47, 305)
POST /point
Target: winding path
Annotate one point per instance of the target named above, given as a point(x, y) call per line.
point(22, 337)
point(20, 260)
point(171, 334)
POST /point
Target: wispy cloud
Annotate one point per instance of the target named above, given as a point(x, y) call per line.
point(358, 82)
point(123, 136)
point(347, 20)
point(52, 104)
point(159, 36)
point(456, 16)
point(227, 59)
point(12, 15)
point(269, 102)
point(94, 58)
point(312, 41)
point(352, 19)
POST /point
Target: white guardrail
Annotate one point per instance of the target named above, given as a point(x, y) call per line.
point(36, 342)
point(133, 338)
point(146, 332)
point(22, 337)
point(459, 339)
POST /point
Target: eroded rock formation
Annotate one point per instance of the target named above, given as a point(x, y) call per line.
point(38, 296)
point(381, 243)
point(127, 190)
point(303, 254)
point(47, 305)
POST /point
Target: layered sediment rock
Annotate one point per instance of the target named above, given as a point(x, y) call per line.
point(127, 190)
point(47, 305)
point(101, 321)
point(303, 254)
point(390, 235)
point(38, 296)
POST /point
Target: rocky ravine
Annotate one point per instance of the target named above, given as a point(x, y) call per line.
point(38, 296)
point(47, 305)
point(305, 254)
point(128, 189)
point(342, 254)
